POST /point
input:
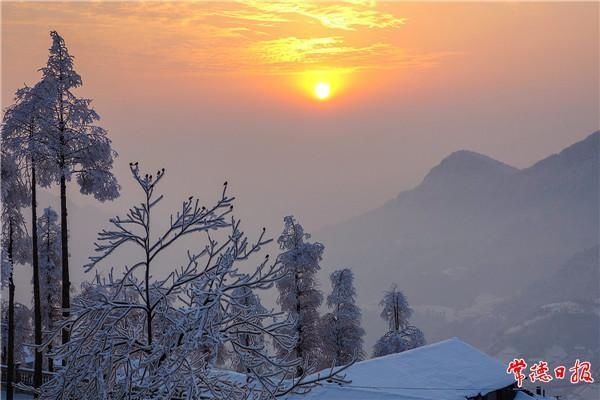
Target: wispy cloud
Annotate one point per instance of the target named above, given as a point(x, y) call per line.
point(345, 15)
point(221, 37)
point(292, 51)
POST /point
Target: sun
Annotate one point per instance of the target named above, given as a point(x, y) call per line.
point(322, 90)
point(322, 85)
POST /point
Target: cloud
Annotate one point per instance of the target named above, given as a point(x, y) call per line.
point(256, 36)
point(293, 51)
point(345, 15)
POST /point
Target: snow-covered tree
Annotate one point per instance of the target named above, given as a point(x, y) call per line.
point(340, 328)
point(14, 250)
point(247, 304)
point(74, 145)
point(139, 334)
point(23, 318)
point(15, 197)
point(22, 137)
point(50, 271)
point(401, 336)
point(298, 289)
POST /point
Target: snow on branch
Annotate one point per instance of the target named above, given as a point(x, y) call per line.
point(138, 337)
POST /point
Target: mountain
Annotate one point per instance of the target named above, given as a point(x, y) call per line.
point(473, 234)
point(555, 319)
point(560, 310)
point(466, 169)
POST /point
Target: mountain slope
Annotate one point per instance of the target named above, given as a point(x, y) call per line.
point(555, 319)
point(474, 232)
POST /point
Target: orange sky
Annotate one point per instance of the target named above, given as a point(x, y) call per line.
point(262, 43)
point(411, 82)
point(272, 47)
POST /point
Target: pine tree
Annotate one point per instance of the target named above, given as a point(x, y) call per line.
point(50, 271)
point(23, 138)
point(15, 249)
point(75, 146)
point(401, 336)
point(298, 290)
point(340, 329)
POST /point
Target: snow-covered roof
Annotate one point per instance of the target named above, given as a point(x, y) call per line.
point(447, 370)
point(524, 396)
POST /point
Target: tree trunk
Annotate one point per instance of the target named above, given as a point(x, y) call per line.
point(299, 352)
point(50, 315)
point(37, 311)
point(396, 314)
point(299, 344)
point(64, 236)
point(10, 362)
point(64, 229)
point(148, 303)
point(147, 273)
point(50, 360)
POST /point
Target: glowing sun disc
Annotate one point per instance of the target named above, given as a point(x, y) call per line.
point(322, 90)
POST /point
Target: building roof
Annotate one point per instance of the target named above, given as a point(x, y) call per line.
point(524, 396)
point(447, 370)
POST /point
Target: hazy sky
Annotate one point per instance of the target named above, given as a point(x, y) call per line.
point(223, 91)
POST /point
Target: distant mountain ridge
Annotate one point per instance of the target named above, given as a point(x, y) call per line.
point(467, 167)
point(474, 230)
